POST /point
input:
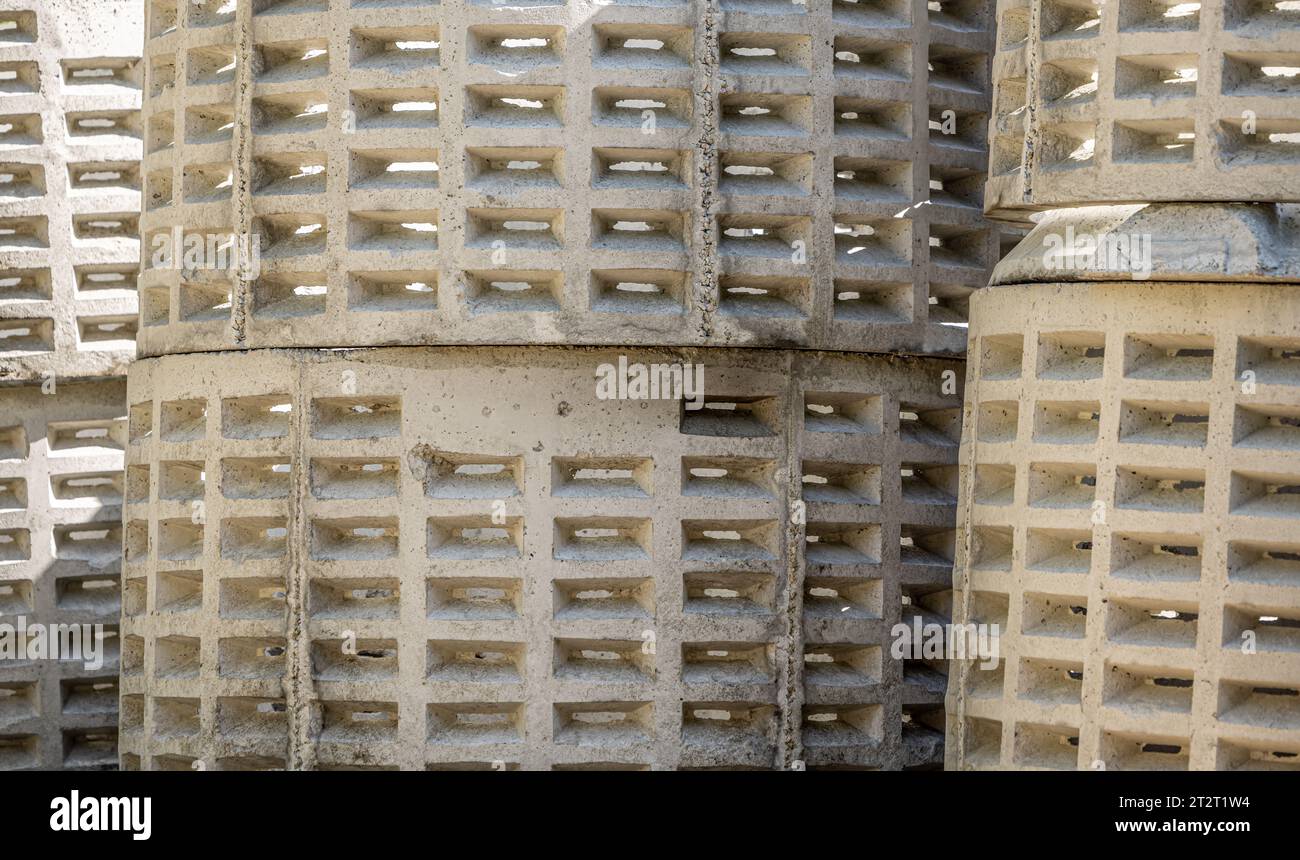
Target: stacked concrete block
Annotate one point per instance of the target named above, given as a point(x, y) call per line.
point(447, 550)
point(1116, 101)
point(749, 174)
point(463, 558)
point(1129, 462)
point(70, 145)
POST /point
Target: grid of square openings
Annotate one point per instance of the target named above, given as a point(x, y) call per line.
point(1144, 100)
point(548, 175)
point(525, 581)
point(70, 144)
point(60, 536)
point(1133, 497)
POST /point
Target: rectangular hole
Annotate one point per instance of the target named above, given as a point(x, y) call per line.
point(476, 724)
point(253, 538)
point(728, 477)
point(1066, 422)
point(476, 662)
point(729, 541)
point(729, 593)
point(602, 539)
point(842, 412)
point(843, 598)
point(77, 438)
point(179, 591)
point(396, 291)
point(513, 168)
point(252, 598)
point(1275, 564)
point(1152, 623)
point(368, 599)
point(766, 54)
point(873, 243)
point(355, 417)
point(925, 425)
point(470, 538)
point(871, 59)
point(255, 477)
point(1261, 74)
point(395, 169)
point(365, 660)
point(929, 483)
point(410, 107)
point(258, 417)
point(649, 47)
point(602, 661)
point(250, 658)
point(641, 107)
point(394, 232)
point(637, 291)
point(291, 173)
point(395, 50)
point(1051, 681)
point(766, 296)
point(474, 599)
point(514, 291)
point(1056, 615)
point(639, 169)
point(873, 180)
point(644, 231)
point(1264, 494)
point(604, 599)
point(602, 477)
point(735, 417)
point(516, 48)
point(730, 663)
point(508, 106)
point(515, 229)
point(828, 545)
point(868, 118)
point(290, 113)
point(1157, 489)
point(766, 114)
point(280, 62)
point(1062, 485)
point(766, 174)
point(1160, 423)
point(354, 539)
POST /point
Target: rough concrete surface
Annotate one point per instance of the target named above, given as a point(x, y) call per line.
point(1134, 101)
point(60, 554)
point(70, 147)
point(462, 558)
point(681, 173)
point(1213, 242)
point(1130, 476)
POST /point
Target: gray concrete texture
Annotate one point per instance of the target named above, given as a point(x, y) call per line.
point(60, 555)
point(734, 173)
point(1143, 101)
point(70, 146)
point(1130, 472)
point(464, 558)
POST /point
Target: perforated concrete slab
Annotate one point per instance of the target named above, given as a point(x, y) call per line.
point(748, 173)
point(70, 147)
point(60, 555)
point(1130, 472)
point(1143, 100)
point(333, 562)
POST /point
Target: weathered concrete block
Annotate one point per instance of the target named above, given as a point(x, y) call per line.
point(1126, 102)
point(1130, 476)
point(70, 146)
point(745, 173)
point(342, 565)
point(60, 555)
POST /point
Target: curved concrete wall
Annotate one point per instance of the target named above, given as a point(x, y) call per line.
point(1130, 479)
point(331, 562)
point(742, 173)
point(70, 145)
point(1117, 102)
